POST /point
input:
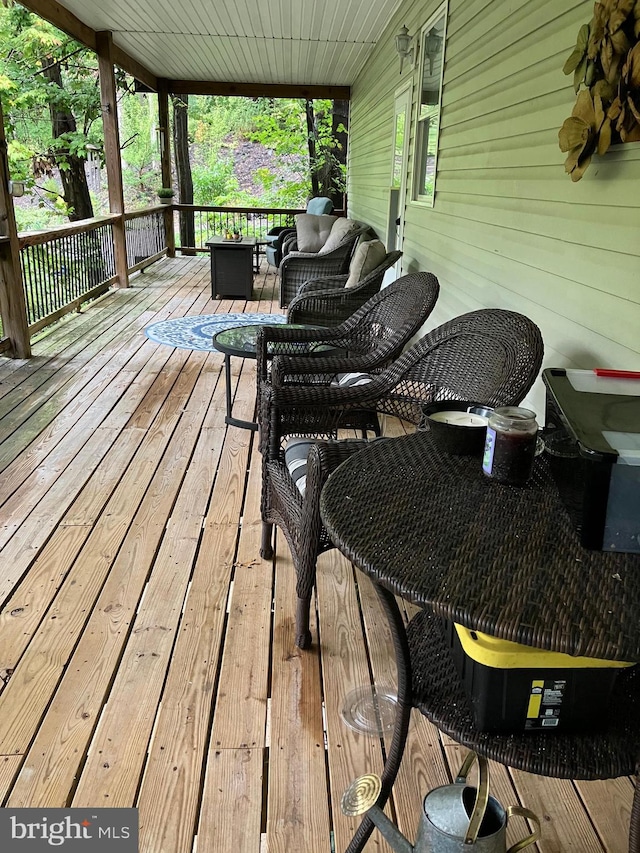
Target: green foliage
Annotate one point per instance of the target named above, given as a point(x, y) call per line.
point(283, 127)
point(279, 193)
point(33, 50)
point(214, 182)
point(138, 143)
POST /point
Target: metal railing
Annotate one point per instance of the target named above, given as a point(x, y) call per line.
point(64, 267)
point(209, 222)
point(145, 236)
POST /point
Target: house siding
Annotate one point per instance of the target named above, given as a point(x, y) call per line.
point(509, 228)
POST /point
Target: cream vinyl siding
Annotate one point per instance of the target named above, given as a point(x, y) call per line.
point(509, 228)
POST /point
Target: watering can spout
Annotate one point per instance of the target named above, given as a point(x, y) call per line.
point(361, 797)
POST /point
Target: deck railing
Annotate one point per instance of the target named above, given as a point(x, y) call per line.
point(212, 221)
point(145, 236)
point(66, 266)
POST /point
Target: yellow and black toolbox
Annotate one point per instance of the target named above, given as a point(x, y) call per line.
point(517, 688)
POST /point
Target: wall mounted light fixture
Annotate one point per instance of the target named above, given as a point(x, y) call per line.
point(404, 47)
point(432, 47)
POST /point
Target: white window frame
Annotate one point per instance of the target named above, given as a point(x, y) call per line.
point(422, 124)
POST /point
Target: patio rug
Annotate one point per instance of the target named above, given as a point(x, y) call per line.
point(196, 333)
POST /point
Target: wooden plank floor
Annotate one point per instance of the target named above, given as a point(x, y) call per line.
point(146, 651)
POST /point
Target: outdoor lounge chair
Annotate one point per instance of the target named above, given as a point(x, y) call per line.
point(490, 356)
point(368, 340)
point(333, 258)
point(329, 301)
point(276, 236)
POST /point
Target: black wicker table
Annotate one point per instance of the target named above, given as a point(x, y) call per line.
point(503, 560)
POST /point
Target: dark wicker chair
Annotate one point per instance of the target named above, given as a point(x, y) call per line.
point(298, 267)
point(327, 302)
point(276, 236)
point(491, 356)
point(368, 340)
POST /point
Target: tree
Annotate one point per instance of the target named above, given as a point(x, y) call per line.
point(62, 152)
point(46, 73)
point(327, 141)
point(183, 167)
point(320, 126)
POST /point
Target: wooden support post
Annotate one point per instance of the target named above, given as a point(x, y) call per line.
point(165, 162)
point(12, 299)
point(104, 48)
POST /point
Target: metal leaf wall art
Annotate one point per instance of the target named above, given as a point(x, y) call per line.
point(605, 64)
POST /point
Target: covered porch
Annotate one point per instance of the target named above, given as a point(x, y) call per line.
point(148, 654)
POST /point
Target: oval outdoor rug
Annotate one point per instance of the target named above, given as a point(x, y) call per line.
point(197, 332)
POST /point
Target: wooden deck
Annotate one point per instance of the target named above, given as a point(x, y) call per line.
point(146, 651)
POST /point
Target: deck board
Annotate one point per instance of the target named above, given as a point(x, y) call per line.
point(146, 651)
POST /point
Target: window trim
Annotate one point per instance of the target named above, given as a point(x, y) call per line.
point(421, 199)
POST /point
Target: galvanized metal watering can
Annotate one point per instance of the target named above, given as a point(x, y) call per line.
point(455, 819)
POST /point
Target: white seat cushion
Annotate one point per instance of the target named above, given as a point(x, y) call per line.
point(350, 380)
point(366, 258)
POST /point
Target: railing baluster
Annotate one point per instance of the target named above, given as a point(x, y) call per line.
point(60, 270)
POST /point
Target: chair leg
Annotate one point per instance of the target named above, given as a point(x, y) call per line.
point(303, 634)
point(266, 548)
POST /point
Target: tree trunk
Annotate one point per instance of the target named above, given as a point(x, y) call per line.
point(312, 135)
point(183, 170)
point(326, 159)
point(74, 179)
point(339, 131)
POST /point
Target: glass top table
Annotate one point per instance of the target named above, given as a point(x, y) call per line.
point(504, 560)
point(241, 342)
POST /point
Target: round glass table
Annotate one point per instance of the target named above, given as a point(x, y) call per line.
point(240, 342)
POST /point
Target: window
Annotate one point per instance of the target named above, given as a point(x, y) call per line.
point(431, 66)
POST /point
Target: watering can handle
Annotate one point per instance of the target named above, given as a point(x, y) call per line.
point(522, 812)
point(482, 793)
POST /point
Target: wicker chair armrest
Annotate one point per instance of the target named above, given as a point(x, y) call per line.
point(323, 459)
point(268, 336)
point(333, 306)
point(289, 410)
point(289, 241)
point(295, 255)
point(287, 370)
point(333, 282)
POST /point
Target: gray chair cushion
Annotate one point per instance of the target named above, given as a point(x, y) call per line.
point(312, 231)
point(339, 231)
point(366, 258)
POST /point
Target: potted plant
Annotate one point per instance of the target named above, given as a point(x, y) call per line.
point(165, 194)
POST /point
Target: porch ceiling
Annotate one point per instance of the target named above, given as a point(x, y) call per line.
point(298, 42)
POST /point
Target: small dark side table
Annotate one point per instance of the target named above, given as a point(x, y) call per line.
point(503, 560)
point(232, 267)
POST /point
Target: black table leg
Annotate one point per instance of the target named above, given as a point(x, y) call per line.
point(403, 714)
point(229, 419)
